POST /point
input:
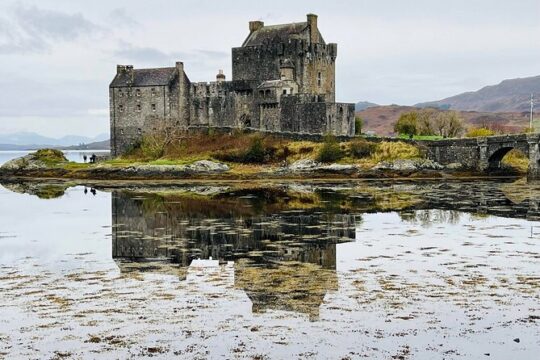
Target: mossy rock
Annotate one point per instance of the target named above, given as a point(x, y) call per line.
point(49, 156)
point(39, 160)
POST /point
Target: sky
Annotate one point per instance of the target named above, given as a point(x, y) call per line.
point(57, 57)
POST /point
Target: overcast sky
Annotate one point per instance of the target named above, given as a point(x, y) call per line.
point(57, 57)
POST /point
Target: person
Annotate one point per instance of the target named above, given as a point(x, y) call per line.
point(93, 158)
point(85, 190)
point(84, 157)
point(93, 191)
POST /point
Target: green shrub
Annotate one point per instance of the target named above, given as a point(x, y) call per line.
point(362, 148)
point(256, 152)
point(330, 151)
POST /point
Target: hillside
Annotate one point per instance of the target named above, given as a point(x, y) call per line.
point(362, 105)
point(98, 145)
point(381, 119)
point(509, 96)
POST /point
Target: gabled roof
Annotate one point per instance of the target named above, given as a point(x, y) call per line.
point(272, 33)
point(145, 77)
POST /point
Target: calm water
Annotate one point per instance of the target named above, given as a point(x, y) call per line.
point(71, 155)
point(343, 270)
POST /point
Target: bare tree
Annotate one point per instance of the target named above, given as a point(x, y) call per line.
point(159, 137)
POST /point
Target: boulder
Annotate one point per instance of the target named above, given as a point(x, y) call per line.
point(304, 165)
point(454, 166)
point(207, 166)
point(339, 168)
point(409, 165)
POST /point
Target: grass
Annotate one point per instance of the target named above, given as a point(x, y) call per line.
point(50, 156)
point(517, 160)
point(246, 153)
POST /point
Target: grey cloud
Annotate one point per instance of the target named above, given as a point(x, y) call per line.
point(153, 56)
point(120, 17)
point(31, 29)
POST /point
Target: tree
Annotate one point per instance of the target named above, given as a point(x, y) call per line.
point(425, 121)
point(454, 124)
point(154, 142)
point(407, 124)
point(448, 124)
point(358, 124)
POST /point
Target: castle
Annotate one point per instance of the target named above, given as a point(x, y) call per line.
point(283, 80)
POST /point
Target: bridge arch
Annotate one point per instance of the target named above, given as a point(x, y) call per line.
point(495, 159)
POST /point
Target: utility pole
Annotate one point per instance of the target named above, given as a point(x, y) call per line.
point(531, 116)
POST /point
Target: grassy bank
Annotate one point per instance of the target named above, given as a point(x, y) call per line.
point(245, 150)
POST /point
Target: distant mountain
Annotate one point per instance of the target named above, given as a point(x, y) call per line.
point(362, 105)
point(30, 140)
point(509, 96)
point(98, 145)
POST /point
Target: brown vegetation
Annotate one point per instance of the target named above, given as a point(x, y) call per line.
point(381, 119)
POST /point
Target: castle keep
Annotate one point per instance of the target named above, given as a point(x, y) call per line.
point(283, 80)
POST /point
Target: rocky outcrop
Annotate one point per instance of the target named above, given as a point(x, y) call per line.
point(408, 165)
point(30, 162)
point(307, 165)
point(168, 171)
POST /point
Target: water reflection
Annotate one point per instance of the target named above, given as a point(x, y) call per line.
point(431, 274)
point(283, 245)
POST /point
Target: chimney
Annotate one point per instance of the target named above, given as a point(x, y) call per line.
point(120, 69)
point(179, 67)
point(255, 25)
point(130, 73)
point(220, 77)
point(313, 30)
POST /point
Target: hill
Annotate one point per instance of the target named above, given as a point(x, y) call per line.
point(31, 139)
point(98, 145)
point(509, 96)
point(381, 119)
point(362, 105)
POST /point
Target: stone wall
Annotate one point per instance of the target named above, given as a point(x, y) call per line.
point(134, 110)
point(486, 153)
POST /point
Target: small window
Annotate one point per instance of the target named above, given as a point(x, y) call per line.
point(121, 108)
point(284, 91)
point(138, 92)
point(120, 93)
point(153, 91)
point(153, 107)
point(139, 131)
point(138, 107)
point(121, 131)
point(319, 79)
point(261, 92)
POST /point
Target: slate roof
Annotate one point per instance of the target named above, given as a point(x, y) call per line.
point(145, 77)
point(280, 33)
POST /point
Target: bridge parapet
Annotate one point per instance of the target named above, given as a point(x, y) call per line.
point(486, 153)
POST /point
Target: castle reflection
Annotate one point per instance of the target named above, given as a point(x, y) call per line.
point(283, 245)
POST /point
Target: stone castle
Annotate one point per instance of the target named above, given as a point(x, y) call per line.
point(283, 81)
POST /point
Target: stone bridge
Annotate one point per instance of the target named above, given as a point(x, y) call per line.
point(485, 154)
